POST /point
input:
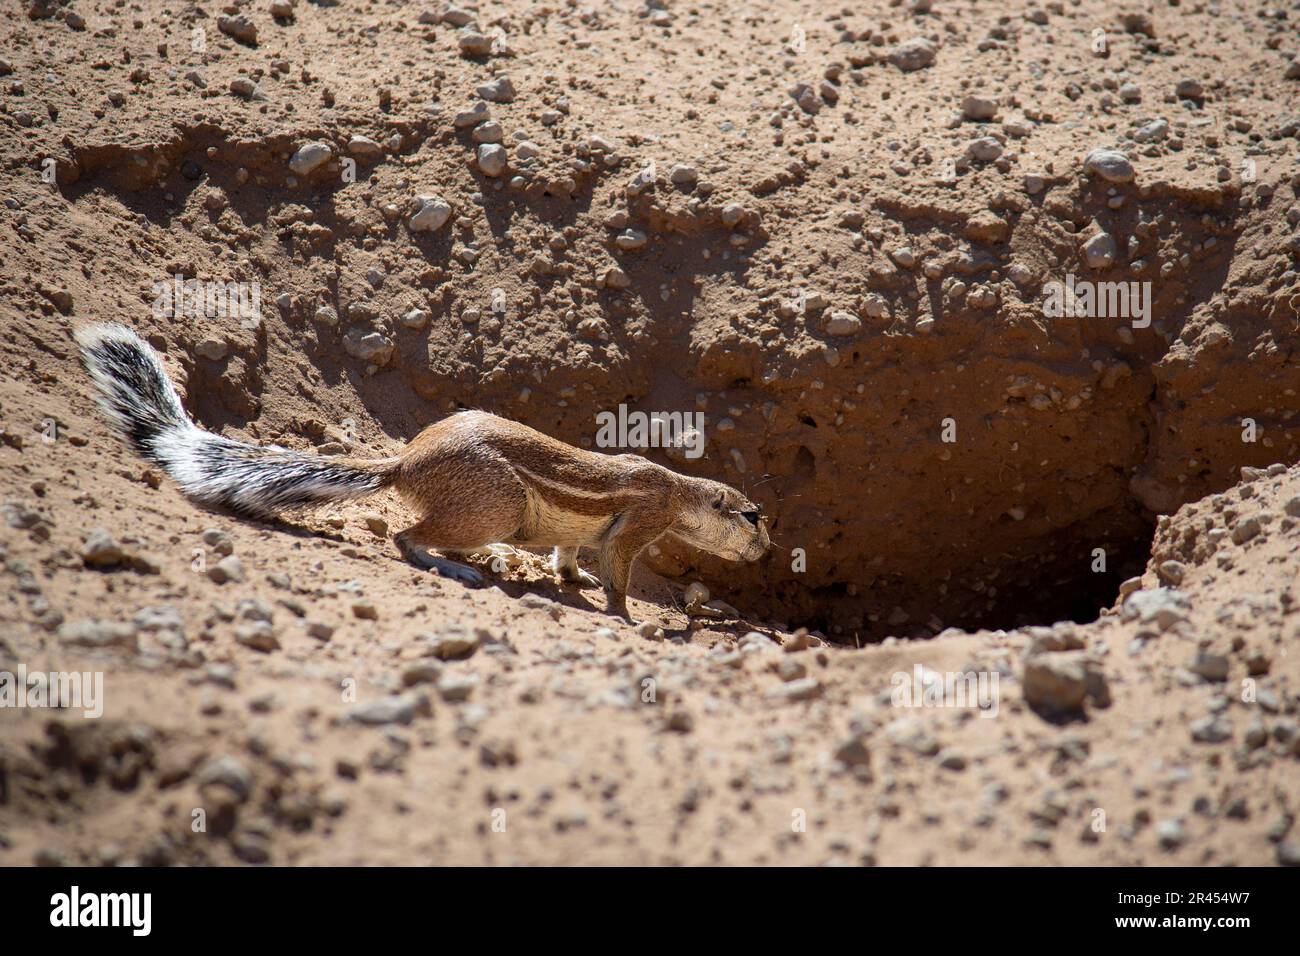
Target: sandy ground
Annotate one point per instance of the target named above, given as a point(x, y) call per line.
point(829, 234)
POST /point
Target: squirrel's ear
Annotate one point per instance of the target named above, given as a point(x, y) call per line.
point(717, 501)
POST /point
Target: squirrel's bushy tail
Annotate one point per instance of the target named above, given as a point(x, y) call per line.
point(139, 400)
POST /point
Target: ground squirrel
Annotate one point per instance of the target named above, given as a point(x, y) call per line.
point(476, 480)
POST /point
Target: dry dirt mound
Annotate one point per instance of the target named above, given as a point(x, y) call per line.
point(831, 235)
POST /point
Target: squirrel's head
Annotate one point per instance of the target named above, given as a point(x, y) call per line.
point(724, 522)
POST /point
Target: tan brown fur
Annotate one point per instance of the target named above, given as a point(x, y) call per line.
point(478, 480)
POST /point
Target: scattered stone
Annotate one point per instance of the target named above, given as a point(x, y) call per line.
point(1136, 21)
point(1246, 530)
point(498, 753)
point(911, 734)
point(757, 641)
point(1209, 665)
point(798, 641)
point(432, 214)
point(1211, 729)
point(807, 688)
point(499, 90)
point(615, 278)
point(1171, 572)
point(875, 306)
point(228, 772)
point(914, 54)
point(1190, 89)
point(696, 594)
point(456, 688)
point(307, 159)
point(791, 669)
point(1171, 834)
point(454, 16)
point(843, 323)
point(854, 751)
point(474, 44)
point(244, 88)
point(630, 240)
point(488, 132)
point(492, 159)
point(367, 346)
point(683, 175)
point(1258, 663)
point(365, 149)
point(1111, 165)
point(979, 109)
point(1152, 132)
point(218, 541)
point(239, 27)
point(1163, 607)
point(480, 112)
point(1045, 640)
point(904, 256)
point(258, 635)
point(398, 709)
point(1057, 683)
point(643, 180)
point(416, 319)
point(214, 350)
point(452, 644)
point(95, 633)
point(229, 568)
point(985, 149)
point(679, 721)
point(422, 672)
point(987, 226)
point(950, 758)
point(1099, 250)
point(102, 550)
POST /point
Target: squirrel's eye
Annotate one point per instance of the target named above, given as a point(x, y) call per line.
point(751, 517)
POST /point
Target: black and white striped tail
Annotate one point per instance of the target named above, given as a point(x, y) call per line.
point(138, 399)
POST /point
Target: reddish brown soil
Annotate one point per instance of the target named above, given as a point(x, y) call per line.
point(853, 200)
